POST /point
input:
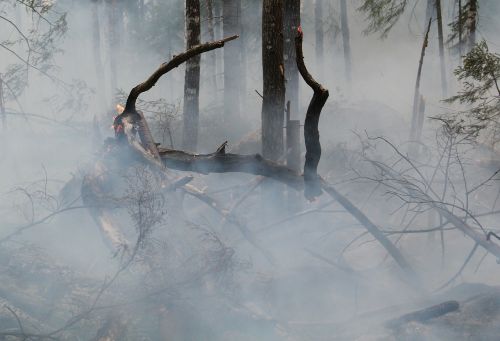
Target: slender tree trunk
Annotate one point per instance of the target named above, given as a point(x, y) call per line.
point(318, 26)
point(416, 95)
point(232, 61)
point(96, 49)
point(460, 28)
point(346, 40)
point(273, 104)
point(429, 11)
point(472, 23)
point(444, 85)
point(212, 57)
point(291, 20)
point(192, 77)
point(112, 44)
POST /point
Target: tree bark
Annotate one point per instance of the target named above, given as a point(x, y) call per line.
point(212, 57)
point(273, 103)
point(192, 77)
point(346, 40)
point(416, 95)
point(311, 123)
point(444, 85)
point(472, 23)
point(291, 20)
point(232, 61)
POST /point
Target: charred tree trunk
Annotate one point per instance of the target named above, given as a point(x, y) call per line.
point(212, 57)
point(232, 61)
point(273, 104)
point(416, 95)
point(318, 26)
point(311, 132)
point(346, 39)
point(472, 22)
point(291, 20)
point(96, 47)
point(192, 77)
point(444, 85)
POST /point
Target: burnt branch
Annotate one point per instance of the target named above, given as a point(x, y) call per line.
point(166, 67)
point(311, 132)
point(222, 162)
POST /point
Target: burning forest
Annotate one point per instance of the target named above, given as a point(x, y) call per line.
point(249, 170)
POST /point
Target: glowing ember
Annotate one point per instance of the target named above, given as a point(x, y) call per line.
point(120, 108)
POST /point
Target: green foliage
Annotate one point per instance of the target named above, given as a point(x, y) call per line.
point(479, 75)
point(382, 15)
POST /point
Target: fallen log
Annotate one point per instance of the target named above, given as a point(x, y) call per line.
point(424, 315)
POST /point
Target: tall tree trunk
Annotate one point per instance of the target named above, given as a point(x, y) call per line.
point(232, 61)
point(444, 85)
point(96, 49)
point(416, 95)
point(318, 26)
point(192, 77)
point(291, 20)
point(112, 13)
point(346, 40)
point(273, 104)
point(472, 22)
point(460, 28)
point(429, 11)
point(212, 58)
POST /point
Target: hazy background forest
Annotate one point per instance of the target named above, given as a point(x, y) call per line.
point(111, 233)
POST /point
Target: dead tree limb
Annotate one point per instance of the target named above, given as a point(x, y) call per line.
point(311, 133)
point(222, 162)
point(166, 67)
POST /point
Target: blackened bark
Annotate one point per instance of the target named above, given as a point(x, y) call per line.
point(416, 95)
point(192, 77)
point(444, 85)
point(318, 24)
point(346, 39)
point(291, 22)
point(273, 103)
point(232, 61)
point(311, 133)
point(212, 57)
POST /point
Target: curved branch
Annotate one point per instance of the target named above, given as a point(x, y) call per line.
point(311, 132)
point(166, 67)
